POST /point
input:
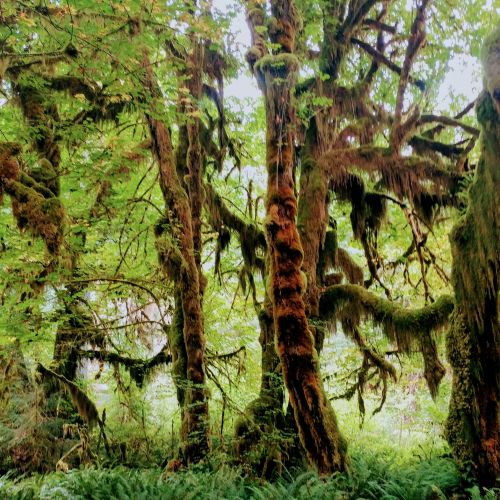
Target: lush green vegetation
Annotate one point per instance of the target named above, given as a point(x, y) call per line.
point(373, 477)
point(249, 249)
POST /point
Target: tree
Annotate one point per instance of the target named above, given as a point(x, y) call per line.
point(473, 340)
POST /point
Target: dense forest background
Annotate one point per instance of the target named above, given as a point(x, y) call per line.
point(249, 249)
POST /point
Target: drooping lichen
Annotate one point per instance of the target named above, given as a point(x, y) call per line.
point(408, 328)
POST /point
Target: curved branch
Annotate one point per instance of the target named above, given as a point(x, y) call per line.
point(382, 59)
point(446, 120)
point(403, 325)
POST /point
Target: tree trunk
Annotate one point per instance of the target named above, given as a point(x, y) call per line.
point(178, 350)
point(180, 254)
point(257, 431)
point(473, 341)
point(312, 223)
point(314, 416)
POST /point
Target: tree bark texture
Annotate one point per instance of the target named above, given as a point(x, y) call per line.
point(183, 267)
point(314, 416)
point(473, 340)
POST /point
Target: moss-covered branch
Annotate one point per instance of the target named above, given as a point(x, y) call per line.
point(224, 221)
point(406, 177)
point(409, 328)
point(138, 369)
point(402, 325)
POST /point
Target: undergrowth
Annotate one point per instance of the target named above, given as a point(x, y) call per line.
point(371, 477)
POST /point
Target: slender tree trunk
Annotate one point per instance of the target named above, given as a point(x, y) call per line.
point(258, 442)
point(271, 381)
point(182, 261)
point(178, 350)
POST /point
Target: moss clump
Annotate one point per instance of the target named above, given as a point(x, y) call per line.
point(43, 217)
point(169, 255)
point(259, 438)
point(279, 65)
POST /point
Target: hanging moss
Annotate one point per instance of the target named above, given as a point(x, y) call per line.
point(41, 216)
point(327, 254)
point(409, 328)
point(9, 166)
point(351, 270)
point(402, 325)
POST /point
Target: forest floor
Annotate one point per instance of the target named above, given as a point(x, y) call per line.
point(372, 477)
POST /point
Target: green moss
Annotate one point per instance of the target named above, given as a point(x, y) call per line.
point(409, 328)
point(259, 438)
point(473, 335)
point(459, 429)
point(279, 65)
point(169, 255)
point(45, 175)
point(403, 324)
point(485, 111)
point(178, 350)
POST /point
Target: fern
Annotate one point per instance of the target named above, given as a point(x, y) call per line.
point(372, 477)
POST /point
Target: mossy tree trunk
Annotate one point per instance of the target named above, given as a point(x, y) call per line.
point(312, 222)
point(258, 431)
point(276, 75)
point(42, 118)
point(178, 350)
point(474, 338)
point(178, 254)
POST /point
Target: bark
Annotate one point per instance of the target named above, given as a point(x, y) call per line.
point(314, 416)
point(474, 338)
point(271, 383)
point(194, 160)
point(312, 216)
point(181, 256)
point(179, 354)
point(258, 431)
